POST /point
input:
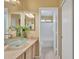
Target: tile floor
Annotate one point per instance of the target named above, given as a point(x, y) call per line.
point(47, 53)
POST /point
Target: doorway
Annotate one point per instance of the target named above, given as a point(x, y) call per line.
point(48, 32)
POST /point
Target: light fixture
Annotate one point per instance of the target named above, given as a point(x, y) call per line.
point(12, 1)
point(7, 0)
point(27, 15)
point(30, 15)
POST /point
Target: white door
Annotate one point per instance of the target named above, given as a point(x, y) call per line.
point(67, 30)
point(44, 29)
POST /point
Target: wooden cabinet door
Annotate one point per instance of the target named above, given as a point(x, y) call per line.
point(29, 53)
point(21, 56)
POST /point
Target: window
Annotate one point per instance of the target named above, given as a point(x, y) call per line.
point(46, 18)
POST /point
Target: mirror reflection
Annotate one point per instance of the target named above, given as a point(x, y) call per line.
point(22, 23)
point(30, 21)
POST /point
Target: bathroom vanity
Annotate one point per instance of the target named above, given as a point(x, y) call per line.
point(20, 27)
point(27, 51)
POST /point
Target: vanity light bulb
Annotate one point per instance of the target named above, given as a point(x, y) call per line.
point(29, 15)
point(13, 0)
point(7, 0)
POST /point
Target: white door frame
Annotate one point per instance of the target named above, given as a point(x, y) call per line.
point(56, 33)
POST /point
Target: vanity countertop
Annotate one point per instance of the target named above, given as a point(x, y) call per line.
point(14, 53)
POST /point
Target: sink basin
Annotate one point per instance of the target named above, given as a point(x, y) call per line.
point(17, 43)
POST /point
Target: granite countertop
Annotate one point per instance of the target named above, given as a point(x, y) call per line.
point(10, 53)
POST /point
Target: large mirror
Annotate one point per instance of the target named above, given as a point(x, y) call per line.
point(30, 21)
point(22, 23)
point(15, 24)
point(15, 20)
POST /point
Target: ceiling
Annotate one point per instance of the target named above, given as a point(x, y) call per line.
point(31, 5)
